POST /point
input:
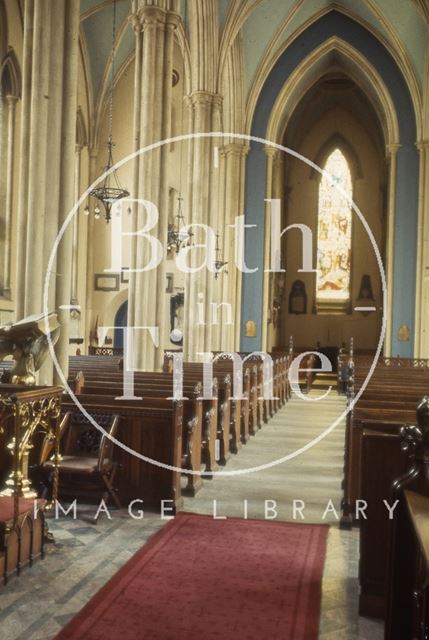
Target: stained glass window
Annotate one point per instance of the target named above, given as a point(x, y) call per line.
point(334, 234)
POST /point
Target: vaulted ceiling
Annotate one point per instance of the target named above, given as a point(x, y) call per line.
point(96, 36)
point(266, 26)
point(272, 22)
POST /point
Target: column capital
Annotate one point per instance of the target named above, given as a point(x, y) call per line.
point(393, 148)
point(152, 16)
point(422, 145)
point(134, 20)
point(239, 148)
point(271, 152)
point(11, 100)
point(204, 98)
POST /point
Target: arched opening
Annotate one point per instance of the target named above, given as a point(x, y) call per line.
point(371, 67)
point(121, 320)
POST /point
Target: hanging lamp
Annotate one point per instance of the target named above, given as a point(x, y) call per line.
point(110, 190)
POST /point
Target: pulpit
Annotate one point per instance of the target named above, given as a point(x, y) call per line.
point(25, 412)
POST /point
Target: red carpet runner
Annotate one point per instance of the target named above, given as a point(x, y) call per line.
point(200, 578)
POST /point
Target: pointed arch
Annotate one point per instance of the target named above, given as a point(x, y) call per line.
point(10, 75)
point(358, 68)
point(349, 22)
point(337, 141)
point(232, 87)
point(81, 134)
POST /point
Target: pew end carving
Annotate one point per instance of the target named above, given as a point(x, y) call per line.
point(408, 586)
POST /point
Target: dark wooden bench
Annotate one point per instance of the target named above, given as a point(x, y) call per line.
point(152, 428)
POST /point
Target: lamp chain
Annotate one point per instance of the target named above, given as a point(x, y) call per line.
point(112, 72)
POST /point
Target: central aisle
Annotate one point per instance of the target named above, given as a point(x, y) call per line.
point(313, 477)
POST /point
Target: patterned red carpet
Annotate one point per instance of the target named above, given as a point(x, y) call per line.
point(213, 579)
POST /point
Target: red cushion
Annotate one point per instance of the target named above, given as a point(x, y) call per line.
point(25, 505)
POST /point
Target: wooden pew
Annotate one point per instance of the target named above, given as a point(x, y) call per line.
point(408, 576)
point(383, 461)
point(251, 412)
point(153, 394)
point(161, 385)
point(390, 398)
point(107, 363)
point(229, 421)
point(226, 432)
point(239, 408)
point(153, 428)
point(373, 460)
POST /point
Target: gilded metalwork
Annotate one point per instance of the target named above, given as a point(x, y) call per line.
point(29, 411)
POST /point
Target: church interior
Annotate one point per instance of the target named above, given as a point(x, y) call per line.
point(214, 319)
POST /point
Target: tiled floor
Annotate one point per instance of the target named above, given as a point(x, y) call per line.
point(85, 555)
point(339, 618)
point(39, 603)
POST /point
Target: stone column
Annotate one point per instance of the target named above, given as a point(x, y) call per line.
point(233, 157)
point(68, 72)
point(205, 109)
point(205, 105)
point(271, 154)
point(135, 21)
point(47, 158)
point(89, 315)
point(154, 27)
point(239, 275)
point(11, 104)
point(277, 192)
point(34, 259)
point(216, 221)
point(422, 276)
point(27, 57)
point(392, 151)
point(219, 338)
point(76, 222)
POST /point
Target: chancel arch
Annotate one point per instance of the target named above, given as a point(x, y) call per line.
point(337, 56)
point(385, 35)
point(405, 161)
